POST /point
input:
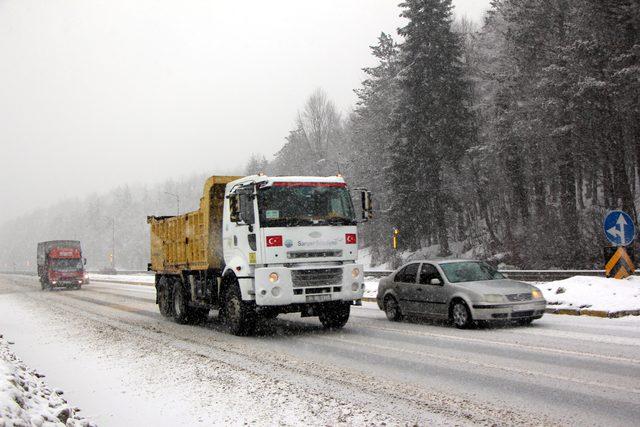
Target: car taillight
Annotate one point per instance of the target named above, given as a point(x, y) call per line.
point(274, 241)
point(351, 238)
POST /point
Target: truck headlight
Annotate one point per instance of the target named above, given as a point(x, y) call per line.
point(273, 277)
point(355, 272)
point(536, 294)
point(494, 298)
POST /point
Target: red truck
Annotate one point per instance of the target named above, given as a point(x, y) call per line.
point(60, 264)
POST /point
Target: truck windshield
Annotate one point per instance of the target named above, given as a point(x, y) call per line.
point(287, 205)
point(66, 264)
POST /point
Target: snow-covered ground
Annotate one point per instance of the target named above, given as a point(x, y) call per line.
point(25, 400)
point(593, 293)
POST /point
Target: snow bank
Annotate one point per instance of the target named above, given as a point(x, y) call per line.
point(26, 401)
point(576, 293)
point(143, 279)
point(593, 293)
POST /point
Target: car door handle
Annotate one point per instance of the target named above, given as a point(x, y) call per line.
point(419, 289)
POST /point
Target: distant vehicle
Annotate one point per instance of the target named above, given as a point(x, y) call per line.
point(60, 264)
point(463, 291)
point(260, 246)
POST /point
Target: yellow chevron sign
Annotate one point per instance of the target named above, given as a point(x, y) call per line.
point(621, 260)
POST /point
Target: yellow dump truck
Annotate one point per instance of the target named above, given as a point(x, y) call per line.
point(259, 246)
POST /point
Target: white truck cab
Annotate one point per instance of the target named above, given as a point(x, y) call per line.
point(293, 240)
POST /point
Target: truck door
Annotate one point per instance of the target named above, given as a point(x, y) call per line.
point(433, 296)
point(241, 237)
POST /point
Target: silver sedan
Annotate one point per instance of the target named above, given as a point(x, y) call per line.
point(462, 291)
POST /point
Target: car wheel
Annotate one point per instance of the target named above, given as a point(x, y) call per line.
point(392, 309)
point(460, 315)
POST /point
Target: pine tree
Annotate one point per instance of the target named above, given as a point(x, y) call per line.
point(432, 119)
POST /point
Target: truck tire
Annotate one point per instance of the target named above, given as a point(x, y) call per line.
point(239, 316)
point(180, 304)
point(198, 315)
point(165, 297)
point(335, 316)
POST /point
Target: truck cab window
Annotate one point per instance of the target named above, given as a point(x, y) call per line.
point(303, 204)
point(247, 213)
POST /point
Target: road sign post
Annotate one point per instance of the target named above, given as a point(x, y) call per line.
point(619, 229)
point(395, 238)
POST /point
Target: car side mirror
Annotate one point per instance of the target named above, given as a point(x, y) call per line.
point(84, 261)
point(436, 282)
point(234, 208)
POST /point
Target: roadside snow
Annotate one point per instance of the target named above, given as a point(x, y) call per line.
point(142, 278)
point(25, 400)
point(593, 293)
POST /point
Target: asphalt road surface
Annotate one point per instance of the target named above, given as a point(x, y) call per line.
point(561, 370)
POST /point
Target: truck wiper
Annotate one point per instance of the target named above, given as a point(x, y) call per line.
point(287, 222)
point(339, 220)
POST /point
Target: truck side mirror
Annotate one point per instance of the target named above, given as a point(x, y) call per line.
point(367, 205)
point(246, 209)
point(234, 208)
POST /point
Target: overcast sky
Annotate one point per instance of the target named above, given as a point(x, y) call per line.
point(98, 93)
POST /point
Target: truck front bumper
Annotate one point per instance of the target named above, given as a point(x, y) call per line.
point(307, 285)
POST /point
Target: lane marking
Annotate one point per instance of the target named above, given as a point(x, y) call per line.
point(507, 344)
point(422, 354)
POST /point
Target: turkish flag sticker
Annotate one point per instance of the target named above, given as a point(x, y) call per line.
point(351, 239)
point(274, 241)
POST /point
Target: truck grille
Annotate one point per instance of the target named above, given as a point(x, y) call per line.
point(519, 297)
point(313, 254)
point(316, 277)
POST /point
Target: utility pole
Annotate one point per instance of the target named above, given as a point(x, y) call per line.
point(113, 244)
point(177, 200)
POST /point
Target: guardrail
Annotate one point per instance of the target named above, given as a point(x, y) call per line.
point(524, 275)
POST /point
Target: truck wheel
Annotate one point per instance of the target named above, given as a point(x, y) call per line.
point(198, 315)
point(180, 307)
point(335, 317)
point(239, 316)
point(165, 298)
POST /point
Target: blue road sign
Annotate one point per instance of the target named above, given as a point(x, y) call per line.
point(619, 228)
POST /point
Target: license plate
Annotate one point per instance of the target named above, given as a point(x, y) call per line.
point(526, 307)
point(318, 298)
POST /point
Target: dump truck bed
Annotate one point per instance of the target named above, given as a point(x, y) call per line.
point(192, 241)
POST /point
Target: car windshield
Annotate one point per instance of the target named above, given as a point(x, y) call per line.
point(469, 271)
point(66, 264)
point(286, 204)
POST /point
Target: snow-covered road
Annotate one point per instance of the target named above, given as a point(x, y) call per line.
point(114, 356)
